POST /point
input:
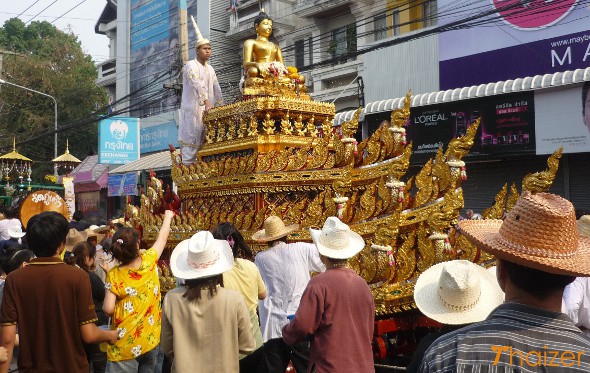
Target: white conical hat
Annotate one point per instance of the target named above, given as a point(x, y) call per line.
point(200, 39)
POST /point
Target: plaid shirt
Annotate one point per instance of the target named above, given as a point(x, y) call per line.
point(514, 338)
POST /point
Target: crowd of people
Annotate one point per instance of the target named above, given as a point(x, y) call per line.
point(88, 299)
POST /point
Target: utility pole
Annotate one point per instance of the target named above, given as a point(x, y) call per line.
point(183, 31)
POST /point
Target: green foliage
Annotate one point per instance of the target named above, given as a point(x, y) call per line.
point(50, 61)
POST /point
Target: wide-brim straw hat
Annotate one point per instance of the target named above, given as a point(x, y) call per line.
point(16, 232)
point(584, 225)
point(75, 236)
point(90, 233)
point(540, 232)
point(201, 256)
point(100, 229)
point(274, 228)
point(457, 292)
point(336, 240)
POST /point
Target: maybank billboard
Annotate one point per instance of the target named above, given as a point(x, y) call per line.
point(496, 40)
point(118, 140)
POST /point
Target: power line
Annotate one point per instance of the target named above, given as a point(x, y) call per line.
point(44, 9)
point(75, 6)
point(21, 13)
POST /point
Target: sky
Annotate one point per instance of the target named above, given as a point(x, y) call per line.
point(81, 19)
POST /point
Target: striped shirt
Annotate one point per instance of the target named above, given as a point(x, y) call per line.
point(514, 338)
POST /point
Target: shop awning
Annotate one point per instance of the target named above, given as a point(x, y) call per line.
point(156, 162)
point(90, 175)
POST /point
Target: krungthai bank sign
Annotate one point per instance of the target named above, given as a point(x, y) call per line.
point(118, 140)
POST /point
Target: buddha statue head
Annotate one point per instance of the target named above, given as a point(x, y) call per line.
point(263, 24)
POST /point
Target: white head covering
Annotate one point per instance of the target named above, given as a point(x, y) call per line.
point(200, 39)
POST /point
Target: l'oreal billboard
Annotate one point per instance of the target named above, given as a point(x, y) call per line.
point(506, 125)
point(118, 140)
point(509, 39)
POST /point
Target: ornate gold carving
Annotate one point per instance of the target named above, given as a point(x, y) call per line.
point(512, 198)
point(268, 124)
point(497, 211)
point(311, 128)
point(220, 130)
point(299, 126)
point(286, 125)
point(542, 181)
point(253, 128)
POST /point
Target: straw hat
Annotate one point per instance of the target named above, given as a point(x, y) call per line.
point(75, 236)
point(90, 233)
point(201, 256)
point(274, 228)
point(584, 225)
point(16, 232)
point(101, 229)
point(336, 240)
point(457, 292)
point(200, 39)
point(540, 232)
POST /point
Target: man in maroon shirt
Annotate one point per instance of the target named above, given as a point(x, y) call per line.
point(51, 302)
point(337, 310)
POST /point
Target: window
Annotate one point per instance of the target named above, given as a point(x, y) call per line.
point(343, 40)
point(429, 13)
point(395, 22)
point(303, 52)
point(380, 25)
point(299, 53)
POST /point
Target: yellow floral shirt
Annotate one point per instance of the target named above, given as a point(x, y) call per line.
point(138, 311)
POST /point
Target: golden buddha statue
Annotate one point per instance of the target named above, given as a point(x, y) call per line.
point(264, 68)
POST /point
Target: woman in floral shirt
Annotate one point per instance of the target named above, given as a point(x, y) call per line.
point(133, 300)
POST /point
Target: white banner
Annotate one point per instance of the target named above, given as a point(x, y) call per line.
point(559, 120)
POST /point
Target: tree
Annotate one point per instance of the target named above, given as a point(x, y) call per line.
point(50, 61)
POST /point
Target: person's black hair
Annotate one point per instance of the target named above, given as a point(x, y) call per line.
point(79, 253)
point(194, 287)
point(240, 249)
point(537, 283)
point(11, 213)
point(273, 242)
point(260, 17)
point(14, 257)
point(124, 245)
point(78, 215)
point(585, 89)
point(106, 244)
point(46, 232)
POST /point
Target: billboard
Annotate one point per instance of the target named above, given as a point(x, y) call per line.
point(509, 39)
point(155, 50)
point(118, 140)
point(122, 184)
point(506, 125)
point(155, 138)
point(563, 119)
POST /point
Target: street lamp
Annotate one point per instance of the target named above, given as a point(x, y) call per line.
point(2, 81)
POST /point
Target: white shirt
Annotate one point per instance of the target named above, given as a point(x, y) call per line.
point(576, 297)
point(285, 270)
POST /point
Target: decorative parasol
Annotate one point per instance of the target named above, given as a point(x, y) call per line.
point(16, 164)
point(67, 162)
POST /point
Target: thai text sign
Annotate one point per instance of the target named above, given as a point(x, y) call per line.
point(155, 138)
point(118, 140)
point(122, 184)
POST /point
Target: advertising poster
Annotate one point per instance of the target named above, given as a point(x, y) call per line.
point(563, 119)
point(89, 202)
point(155, 49)
point(118, 140)
point(506, 125)
point(122, 185)
point(155, 138)
point(509, 39)
point(69, 195)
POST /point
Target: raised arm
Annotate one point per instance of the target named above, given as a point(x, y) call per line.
point(164, 231)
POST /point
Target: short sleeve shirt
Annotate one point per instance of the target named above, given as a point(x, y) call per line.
point(245, 278)
point(138, 312)
point(49, 301)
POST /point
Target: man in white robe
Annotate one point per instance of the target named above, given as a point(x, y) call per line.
point(200, 93)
